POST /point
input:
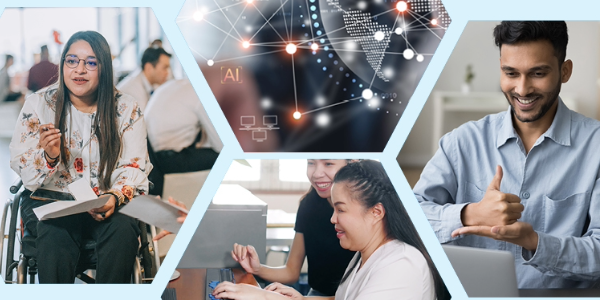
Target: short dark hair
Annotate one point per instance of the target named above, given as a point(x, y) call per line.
point(9, 57)
point(152, 55)
point(514, 32)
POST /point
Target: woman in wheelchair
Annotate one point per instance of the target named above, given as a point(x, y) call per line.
point(82, 128)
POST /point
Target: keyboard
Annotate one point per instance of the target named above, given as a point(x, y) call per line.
point(214, 277)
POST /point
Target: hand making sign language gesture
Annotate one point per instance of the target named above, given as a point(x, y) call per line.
point(496, 215)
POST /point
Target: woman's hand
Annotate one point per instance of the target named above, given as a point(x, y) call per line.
point(102, 213)
point(50, 140)
point(228, 290)
point(180, 219)
point(247, 257)
point(284, 290)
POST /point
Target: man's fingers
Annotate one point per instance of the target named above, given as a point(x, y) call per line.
point(512, 198)
point(474, 230)
point(273, 286)
point(516, 207)
point(495, 184)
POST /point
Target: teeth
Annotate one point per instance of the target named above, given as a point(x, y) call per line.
point(525, 101)
point(323, 185)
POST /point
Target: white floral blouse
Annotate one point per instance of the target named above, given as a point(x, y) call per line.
point(28, 160)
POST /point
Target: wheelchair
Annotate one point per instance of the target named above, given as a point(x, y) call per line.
point(144, 269)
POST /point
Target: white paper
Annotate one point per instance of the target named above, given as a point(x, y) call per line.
point(155, 212)
point(66, 208)
point(82, 190)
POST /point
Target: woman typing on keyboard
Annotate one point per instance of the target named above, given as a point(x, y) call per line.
point(391, 261)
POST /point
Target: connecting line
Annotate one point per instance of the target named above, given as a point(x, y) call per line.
point(232, 27)
point(291, 21)
point(425, 26)
point(284, 20)
point(383, 54)
point(229, 21)
point(202, 56)
point(310, 21)
point(246, 56)
point(294, 77)
point(223, 42)
point(330, 105)
point(224, 7)
point(215, 26)
point(357, 22)
point(267, 22)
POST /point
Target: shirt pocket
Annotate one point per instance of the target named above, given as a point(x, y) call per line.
point(567, 216)
point(472, 192)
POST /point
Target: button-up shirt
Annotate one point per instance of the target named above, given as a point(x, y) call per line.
point(557, 182)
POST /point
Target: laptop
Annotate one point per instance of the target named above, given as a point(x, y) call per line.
point(483, 272)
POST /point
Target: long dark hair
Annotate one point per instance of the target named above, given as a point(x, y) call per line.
point(370, 185)
point(106, 98)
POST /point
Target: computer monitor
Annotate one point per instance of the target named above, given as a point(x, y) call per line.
point(270, 120)
point(247, 121)
point(259, 135)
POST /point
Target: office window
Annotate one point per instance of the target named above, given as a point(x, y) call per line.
point(240, 172)
point(292, 170)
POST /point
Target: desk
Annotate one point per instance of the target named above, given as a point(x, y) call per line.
point(190, 285)
point(559, 293)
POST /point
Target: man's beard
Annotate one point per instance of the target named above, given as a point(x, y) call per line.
point(543, 110)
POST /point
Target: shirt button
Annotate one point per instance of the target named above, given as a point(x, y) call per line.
point(525, 195)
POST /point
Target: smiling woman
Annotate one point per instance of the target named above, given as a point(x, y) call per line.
point(58, 140)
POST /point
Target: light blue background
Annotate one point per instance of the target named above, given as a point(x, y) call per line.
point(166, 12)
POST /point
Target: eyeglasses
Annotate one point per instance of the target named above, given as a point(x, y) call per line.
point(72, 61)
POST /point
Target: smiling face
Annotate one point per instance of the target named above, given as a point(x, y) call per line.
point(320, 173)
point(357, 227)
point(531, 78)
point(81, 82)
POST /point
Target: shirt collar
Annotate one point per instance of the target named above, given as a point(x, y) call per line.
point(559, 131)
point(146, 83)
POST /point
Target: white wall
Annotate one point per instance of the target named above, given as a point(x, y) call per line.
point(476, 47)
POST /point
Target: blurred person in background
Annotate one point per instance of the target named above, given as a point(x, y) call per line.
point(155, 71)
point(42, 74)
point(6, 94)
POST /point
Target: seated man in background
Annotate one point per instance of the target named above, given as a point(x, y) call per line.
point(179, 132)
point(155, 71)
point(525, 180)
point(43, 73)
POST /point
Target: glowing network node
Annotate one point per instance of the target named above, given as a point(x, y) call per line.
point(374, 103)
point(245, 44)
point(322, 119)
point(402, 6)
point(266, 103)
point(379, 35)
point(291, 48)
point(420, 57)
point(314, 46)
point(408, 54)
point(297, 115)
point(210, 62)
point(367, 94)
point(434, 22)
point(398, 31)
point(198, 16)
point(249, 1)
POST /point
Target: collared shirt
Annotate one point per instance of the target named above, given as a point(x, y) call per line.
point(557, 182)
point(137, 85)
point(175, 117)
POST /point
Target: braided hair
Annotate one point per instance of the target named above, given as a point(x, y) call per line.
point(370, 185)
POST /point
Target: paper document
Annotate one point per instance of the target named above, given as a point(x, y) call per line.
point(155, 212)
point(66, 208)
point(82, 190)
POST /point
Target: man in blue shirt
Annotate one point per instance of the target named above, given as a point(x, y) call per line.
point(525, 180)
